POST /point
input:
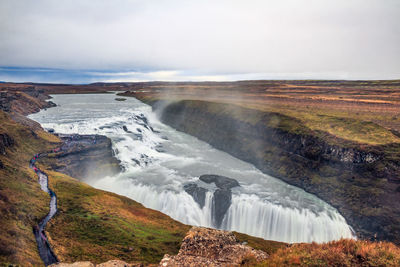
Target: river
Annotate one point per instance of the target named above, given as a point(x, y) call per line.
point(158, 161)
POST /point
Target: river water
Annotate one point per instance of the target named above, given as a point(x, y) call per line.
point(158, 161)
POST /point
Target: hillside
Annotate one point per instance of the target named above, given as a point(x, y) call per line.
point(91, 224)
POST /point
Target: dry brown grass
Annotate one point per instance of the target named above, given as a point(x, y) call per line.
point(344, 252)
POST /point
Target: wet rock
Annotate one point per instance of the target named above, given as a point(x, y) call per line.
point(126, 129)
point(209, 247)
point(198, 193)
point(136, 161)
point(86, 156)
point(221, 182)
point(222, 197)
point(160, 149)
point(221, 202)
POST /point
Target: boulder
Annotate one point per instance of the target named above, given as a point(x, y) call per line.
point(221, 182)
point(209, 247)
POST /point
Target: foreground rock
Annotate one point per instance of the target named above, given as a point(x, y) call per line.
point(86, 156)
point(208, 247)
point(112, 263)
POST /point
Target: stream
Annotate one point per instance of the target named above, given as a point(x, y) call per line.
point(45, 251)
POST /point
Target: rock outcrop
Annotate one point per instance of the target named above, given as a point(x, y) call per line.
point(209, 247)
point(27, 101)
point(86, 156)
point(222, 182)
point(198, 193)
point(222, 196)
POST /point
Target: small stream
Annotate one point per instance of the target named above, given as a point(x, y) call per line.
point(44, 247)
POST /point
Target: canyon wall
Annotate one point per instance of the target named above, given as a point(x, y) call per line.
point(360, 181)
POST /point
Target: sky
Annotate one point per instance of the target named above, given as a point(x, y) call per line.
point(82, 41)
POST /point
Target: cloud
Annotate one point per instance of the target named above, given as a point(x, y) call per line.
point(354, 39)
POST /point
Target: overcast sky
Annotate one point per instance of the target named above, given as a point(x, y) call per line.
point(84, 41)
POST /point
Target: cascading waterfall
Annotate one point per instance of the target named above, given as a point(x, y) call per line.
point(158, 161)
point(249, 214)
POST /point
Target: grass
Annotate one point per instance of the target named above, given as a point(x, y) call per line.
point(337, 253)
point(92, 220)
point(360, 112)
point(22, 203)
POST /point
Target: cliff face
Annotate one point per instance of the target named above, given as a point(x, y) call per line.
point(24, 102)
point(85, 156)
point(361, 181)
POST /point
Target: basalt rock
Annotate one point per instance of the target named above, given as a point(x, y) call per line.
point(221, 182)
point(198, 193)
point(86, 156)
point(222, 197)
point(221, 202)
point(209, 247)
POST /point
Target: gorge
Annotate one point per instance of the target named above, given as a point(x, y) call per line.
point(158, 162)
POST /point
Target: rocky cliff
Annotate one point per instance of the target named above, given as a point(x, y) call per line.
point(359, 180)
point(85, 157)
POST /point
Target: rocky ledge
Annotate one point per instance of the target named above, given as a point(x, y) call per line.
point(85, 156)
point(209, 247)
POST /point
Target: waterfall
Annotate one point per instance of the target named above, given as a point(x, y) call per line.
point(249, 214)
point(158, 162)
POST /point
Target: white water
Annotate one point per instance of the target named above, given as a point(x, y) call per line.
point(158, 163)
